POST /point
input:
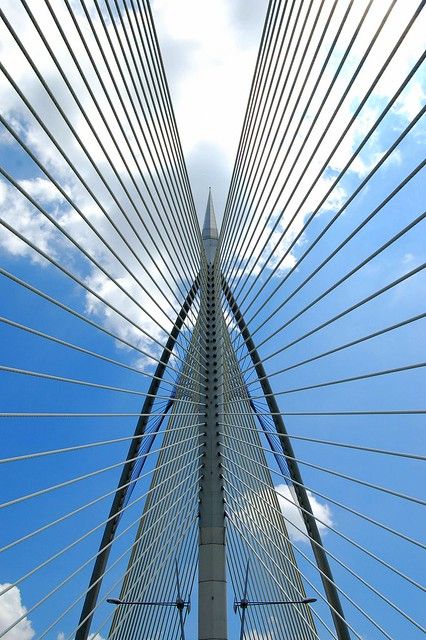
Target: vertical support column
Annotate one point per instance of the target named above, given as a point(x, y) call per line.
point(212, 602)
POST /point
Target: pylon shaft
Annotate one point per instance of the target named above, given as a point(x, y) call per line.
point(212, 618)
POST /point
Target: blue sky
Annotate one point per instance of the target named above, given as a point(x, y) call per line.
point(204, 67)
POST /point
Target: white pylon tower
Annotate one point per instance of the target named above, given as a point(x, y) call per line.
point(204, 502)
point(212, 618)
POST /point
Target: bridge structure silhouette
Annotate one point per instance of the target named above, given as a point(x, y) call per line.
point(212, 431)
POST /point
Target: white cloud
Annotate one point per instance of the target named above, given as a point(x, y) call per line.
point(125, 329)
point(294, 520)
point(408, 258)
point(42, 190)
point(216, 70)
point(254, 634)
point(411, 101)
point(92, 636)
point(22, 216)
point(11, 608)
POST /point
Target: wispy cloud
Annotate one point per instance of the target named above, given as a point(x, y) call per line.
point(293, 516)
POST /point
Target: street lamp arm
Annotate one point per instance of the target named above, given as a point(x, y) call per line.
point(177, 603)
point(246, 603)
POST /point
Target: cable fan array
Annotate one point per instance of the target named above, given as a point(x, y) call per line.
point(107, 343)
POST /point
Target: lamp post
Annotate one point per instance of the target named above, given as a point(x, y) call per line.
point(244, 603)
point(179, 603)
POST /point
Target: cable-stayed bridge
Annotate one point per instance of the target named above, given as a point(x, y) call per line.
point(219, 428)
